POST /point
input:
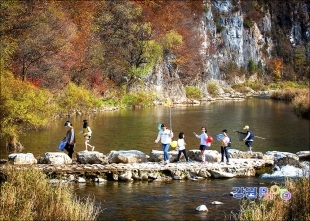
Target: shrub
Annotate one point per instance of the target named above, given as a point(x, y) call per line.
point(213, 88)
point(193, 92)
point(257, 86)
point(138, 99)
point(301, 104)
point(22, 106)
point(219, 28)
point(27, 195)
point(247, 23)
point(77, 98)
point(240, 88)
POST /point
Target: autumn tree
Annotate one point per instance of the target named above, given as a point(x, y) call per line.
point(300, 65)
point(180, 19)
point(129, 51)
point(277, 68)
point(22, 107)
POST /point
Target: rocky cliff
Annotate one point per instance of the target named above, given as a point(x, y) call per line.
point(239, 33)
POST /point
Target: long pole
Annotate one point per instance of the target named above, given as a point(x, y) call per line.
point(170, 119)
point(245, 133)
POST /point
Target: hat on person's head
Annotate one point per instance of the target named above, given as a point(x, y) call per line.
point(68, 123)
point(224, 131)
point(246, 127)
point(163, 125)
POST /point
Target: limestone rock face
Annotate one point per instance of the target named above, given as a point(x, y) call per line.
point(22, 158)
point(130, 156)
point(91, 157)
point(55, 158)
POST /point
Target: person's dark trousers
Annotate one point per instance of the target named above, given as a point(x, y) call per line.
point(185, 155)
point(70, 150)
point(224, 151)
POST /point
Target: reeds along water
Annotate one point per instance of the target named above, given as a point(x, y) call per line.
point(28, 195)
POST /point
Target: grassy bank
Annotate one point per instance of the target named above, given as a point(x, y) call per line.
point(27, 195)
point(277, 209)
point(298, 97)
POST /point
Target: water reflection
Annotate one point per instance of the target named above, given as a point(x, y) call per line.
point(177, 200)
point(137, 129)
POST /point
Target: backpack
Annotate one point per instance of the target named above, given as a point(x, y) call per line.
point(229, 144)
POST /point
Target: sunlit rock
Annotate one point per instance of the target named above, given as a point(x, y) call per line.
point(216, 203)
point(127, 176)
point(221, 174)
point(80, 180)
point(130, 156)
point(22, 158)
point(91, 157)
point(55, 158)
point(210, 155)
point(202, 208)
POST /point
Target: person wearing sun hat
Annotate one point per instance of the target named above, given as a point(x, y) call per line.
point(69, 139)
point(249, 138)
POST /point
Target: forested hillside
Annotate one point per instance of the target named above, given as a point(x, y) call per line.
point(67, 56)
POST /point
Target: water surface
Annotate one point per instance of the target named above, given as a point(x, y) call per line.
point(137, 129)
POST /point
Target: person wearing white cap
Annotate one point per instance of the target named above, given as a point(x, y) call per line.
point(249, 138)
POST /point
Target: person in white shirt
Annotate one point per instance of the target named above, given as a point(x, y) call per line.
point(181, 147)
point(224, 146)
point(164, 135)
point(87, 132)
point(203, 143)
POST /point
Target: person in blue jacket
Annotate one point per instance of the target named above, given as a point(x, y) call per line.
point(249, 138)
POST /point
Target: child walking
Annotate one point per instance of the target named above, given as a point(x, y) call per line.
point(87, 132)
point(203, 143)
point(181, 147)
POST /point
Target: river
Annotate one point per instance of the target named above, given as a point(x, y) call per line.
point(137, 129)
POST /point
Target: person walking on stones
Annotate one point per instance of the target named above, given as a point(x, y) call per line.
point(87, 132)
point(224, 146)
point(69, 139)
point(203, 143)
point(181, 147)
point(249, 138)
point(164, 135)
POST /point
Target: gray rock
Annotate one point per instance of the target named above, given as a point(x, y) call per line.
point(55, 158)
point(130, 156)
point(22, 159)
point(91, 157)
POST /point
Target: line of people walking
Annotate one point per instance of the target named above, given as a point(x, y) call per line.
point(165, 137)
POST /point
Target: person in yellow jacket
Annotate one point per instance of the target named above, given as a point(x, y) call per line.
point(87, 132)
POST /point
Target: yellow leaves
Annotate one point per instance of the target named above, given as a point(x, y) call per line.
point(172, 40)
point(168, 102)
point(22, 104)
point(277, 66)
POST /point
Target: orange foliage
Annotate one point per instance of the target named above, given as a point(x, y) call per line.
point(182, 17)
point(277, 66)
